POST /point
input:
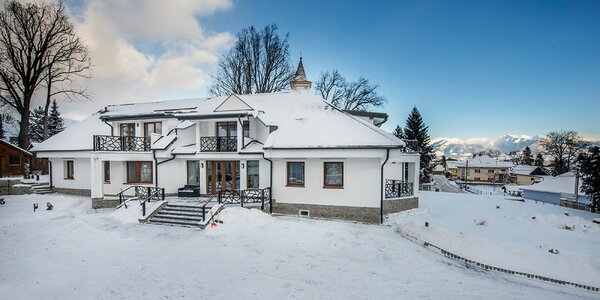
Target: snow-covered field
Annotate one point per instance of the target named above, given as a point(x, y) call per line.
point(74, 252)
point(517, 235)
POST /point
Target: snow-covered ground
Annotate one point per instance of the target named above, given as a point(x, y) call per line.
point(74, 252)
point(517, 235)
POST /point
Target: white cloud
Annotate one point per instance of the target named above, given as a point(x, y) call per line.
point(118, 34)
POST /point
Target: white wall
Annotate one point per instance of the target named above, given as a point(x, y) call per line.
point(361, 183)
point(81, 167)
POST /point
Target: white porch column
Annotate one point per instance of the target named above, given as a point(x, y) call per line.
point(198, 137)
point(415, 174)
point(96, 180)
point(240, 135)
point(243, 174)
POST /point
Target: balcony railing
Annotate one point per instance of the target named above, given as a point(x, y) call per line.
point(218, 144)
point(121, 143)
point(398, 188)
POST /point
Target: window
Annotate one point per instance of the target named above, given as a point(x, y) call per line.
point(193, 172)
point(127, 129)
point(477, 179)
point(226, 129)
point(139, 172)
point(253, 178)
point(333, 176)
point(69, 169)
point(152, 127)
point(14, 160)
point(295, 173)
point(107, 172)
point(491, 171)
point(246, 127)
point(477, 171)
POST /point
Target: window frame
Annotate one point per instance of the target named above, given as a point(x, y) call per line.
point(69, 170)
point(477, 171)
point(138, 172)
point(105, 174)
point(287, 181)
point(248, 175)
point(146, 134)
point(332, 186)
point(18, 156)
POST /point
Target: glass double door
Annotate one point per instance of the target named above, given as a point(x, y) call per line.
point(222, 176)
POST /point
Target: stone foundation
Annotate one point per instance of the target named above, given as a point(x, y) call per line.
point(398, 205)
point(78, 192)
point(349, 213)
point(104, 203)
point(6, 186)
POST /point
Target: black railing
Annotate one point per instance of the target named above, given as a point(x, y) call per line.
point(411, 146)
point(142, 192)
point(398, 188)
point(121, 143)
point(218, 144)
point(241, 197)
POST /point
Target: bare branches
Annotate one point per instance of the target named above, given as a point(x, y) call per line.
point(356, 95)
point(563, 147)
point(258, 63)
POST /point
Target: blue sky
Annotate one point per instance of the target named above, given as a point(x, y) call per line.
point(474, 69)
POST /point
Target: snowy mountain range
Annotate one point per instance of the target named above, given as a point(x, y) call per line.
point(464, 148)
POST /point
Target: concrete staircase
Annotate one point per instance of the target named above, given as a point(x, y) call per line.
point(42, 188)
point(179, 215)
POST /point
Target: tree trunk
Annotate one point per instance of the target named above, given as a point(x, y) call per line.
point(24, 128)
point(46, 108)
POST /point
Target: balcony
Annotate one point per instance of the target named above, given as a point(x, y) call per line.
point(121, 143)
point(398, 188)
point(218, 144)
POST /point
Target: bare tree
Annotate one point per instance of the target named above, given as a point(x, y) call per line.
point(258, 63)
point(29, 34)
point(355, 95)
point(563, 147)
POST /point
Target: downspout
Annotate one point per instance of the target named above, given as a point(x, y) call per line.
point(387, 157)
point(50, 169)
point(270, 181)
point(111, 127)
point(155, 167)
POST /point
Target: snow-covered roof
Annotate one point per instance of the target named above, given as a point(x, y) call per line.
point(525, 169)
point(302, 120)
point(438, 168)
point(5, 142)
point(453, 164)
point(563, 184)
point(484, 161)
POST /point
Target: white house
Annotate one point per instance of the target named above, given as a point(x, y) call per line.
point(308, 155)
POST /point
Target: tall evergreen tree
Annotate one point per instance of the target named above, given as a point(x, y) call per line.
point(589, 167)
point(56, 123)
point(36, 125)
point(2, 133)
point(527, 156)
point(415, 129)
point(398, 132)
point(539, 160)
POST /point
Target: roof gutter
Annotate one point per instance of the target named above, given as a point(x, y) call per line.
point(211, 116)
point(336, 147)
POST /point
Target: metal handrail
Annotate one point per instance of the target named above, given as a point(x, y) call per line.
point(398, 188)
point(121, 143)
point(218, 144)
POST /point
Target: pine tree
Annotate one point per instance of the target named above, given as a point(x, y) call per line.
point(2, 133)
point(398, 132)
point(36, 125)
point(415, 129)
point(589, 168)
point(527, 156)
point(539, 160)
point(56, 123)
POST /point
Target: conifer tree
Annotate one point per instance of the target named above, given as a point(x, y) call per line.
point(36, 125)
point(398, 132)
point(589, 168)
point(56, 123)
point(539, 160)
point(527, 156)
point(415, 129)
point(2, 133)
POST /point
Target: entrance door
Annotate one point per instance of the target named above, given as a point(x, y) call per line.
point(222, 176)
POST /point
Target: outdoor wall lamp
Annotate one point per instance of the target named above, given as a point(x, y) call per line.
point(242, 165)
point(201, 165)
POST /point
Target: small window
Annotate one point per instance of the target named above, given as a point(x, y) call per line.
point(139, 172)
point(491, 171)
point(295, 173)
point(107, 172)
point(127, 129)
point(14, 160)
point(69, 169)
point(333, 174)
point(253, 177)
point(246, 127)
point(477, 171)
point(152, 127)
point(477, 179)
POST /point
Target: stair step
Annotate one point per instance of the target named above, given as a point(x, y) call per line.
point(176, 217)
point(199, 210)
point(38, 187)
point(174, 222)
point(179, 213)
point(183, 206)
point(44, 192)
